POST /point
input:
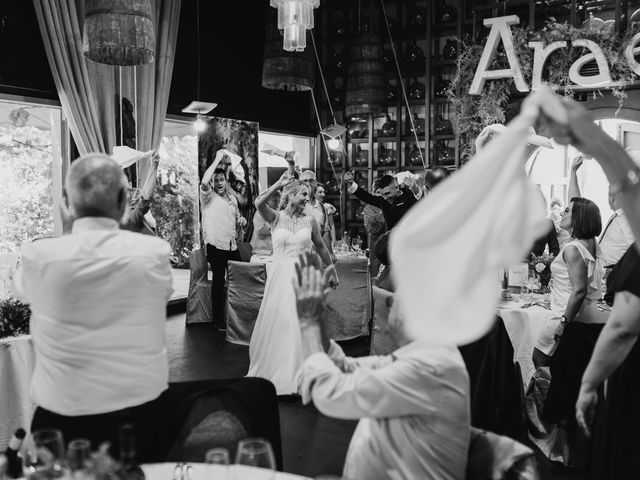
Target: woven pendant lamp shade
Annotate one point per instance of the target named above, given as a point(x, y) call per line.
point(119, 32)
point(366, 84)
point(282, 70)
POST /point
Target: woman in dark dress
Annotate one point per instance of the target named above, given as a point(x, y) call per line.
point(616, 357)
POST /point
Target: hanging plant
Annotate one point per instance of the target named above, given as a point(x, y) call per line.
point(474, 112)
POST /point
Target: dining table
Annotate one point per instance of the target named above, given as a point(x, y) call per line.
point(204, 471)
point(524, 320)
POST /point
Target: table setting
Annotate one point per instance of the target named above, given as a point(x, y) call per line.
point(43, 456)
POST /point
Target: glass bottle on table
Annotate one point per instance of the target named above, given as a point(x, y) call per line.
point(346, 241)
point(14, 462)
point(129, 468)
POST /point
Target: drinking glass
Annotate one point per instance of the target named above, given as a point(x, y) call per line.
point(43, 455)
point(524, 290)
point(356, 243)
point(256, 452)
point(533, 285)
point(78, 453)
point(217, 456)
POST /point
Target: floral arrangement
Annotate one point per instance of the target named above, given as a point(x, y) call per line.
point(474, 112)
point(541, 266)
point(14, 318)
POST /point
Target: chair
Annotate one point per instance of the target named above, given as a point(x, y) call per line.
point(218, 413)
point(496, 387)
point(246, 282)
point(199, 296)
point(381, 343)
point(496, 457)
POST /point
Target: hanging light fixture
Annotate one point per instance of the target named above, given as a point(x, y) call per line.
point(295, 17)
point(119, 32)
point(290, 71)
point(199, 108)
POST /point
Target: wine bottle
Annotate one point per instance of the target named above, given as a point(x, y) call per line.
point(14, 462)
point(129, 468)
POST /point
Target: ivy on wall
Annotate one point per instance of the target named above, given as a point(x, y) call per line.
point(474, 112)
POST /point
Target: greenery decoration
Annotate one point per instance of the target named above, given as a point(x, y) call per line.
point(175, 199)
point(26, 186)
point(14, 318)
point(474, 112)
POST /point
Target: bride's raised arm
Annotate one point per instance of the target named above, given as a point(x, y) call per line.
point(265, 210)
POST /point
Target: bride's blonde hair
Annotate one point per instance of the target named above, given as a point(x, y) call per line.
point(290, 190)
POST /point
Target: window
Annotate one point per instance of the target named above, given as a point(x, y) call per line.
point(550, 169)
point(31, 153)
point(175, 205)
point(271, 167)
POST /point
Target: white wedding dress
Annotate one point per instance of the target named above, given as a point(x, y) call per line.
point(275, 349)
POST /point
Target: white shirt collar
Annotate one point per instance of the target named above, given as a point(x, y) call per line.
point(94, 223)
point(619, 212)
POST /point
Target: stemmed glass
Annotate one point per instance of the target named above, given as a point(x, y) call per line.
point(256, 452)
point(43, 455)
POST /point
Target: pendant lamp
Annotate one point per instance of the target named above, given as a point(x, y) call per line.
point(284, 70)
point(119, 32)
point(295, 17)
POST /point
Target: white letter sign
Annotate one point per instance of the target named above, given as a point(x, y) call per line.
point(499, 30)
point(603, 77)
point(630, 52)
point(540, 55)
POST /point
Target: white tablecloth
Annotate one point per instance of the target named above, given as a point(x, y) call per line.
point(523, 326)
point(201, 471)
point(16, 367)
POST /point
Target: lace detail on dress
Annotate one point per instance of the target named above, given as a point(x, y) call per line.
point(291, 237)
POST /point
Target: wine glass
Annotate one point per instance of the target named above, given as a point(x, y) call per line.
point(256, 452)
point(78, 453)
point(43, 455)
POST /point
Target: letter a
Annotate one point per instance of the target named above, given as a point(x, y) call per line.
point(499, 30)
point(603, 77)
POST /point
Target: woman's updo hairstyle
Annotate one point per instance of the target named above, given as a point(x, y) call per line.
point(290, 190)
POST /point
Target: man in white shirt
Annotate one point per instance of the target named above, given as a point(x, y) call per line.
point(98, 301)
point(616, 236)
point(220, 220)
point(413, 405)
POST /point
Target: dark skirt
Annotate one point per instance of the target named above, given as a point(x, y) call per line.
point(616, 443)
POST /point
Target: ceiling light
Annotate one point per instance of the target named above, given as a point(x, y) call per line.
point(199, 108)
point(333, 144)
point(200, 125)
point(295, 17)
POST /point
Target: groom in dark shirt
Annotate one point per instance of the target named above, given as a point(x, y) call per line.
point(394, 201)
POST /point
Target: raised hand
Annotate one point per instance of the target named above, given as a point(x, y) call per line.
point(309, 289)
point(577, 163)
point(348, 178)
point(285, 179)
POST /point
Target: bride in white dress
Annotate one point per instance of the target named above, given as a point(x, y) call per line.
point(275, 349)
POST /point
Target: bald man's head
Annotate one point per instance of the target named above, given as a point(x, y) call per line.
point(96, 187)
